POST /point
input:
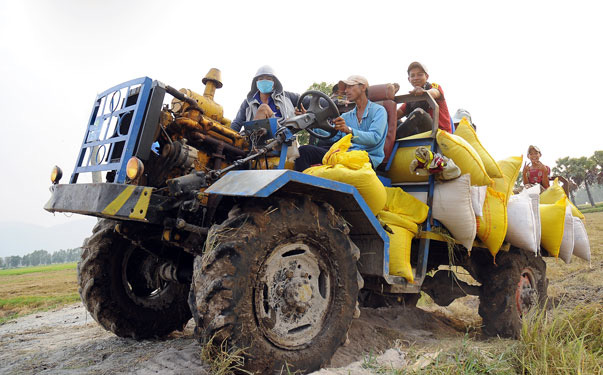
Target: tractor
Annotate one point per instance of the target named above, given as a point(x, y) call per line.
point(197, 220)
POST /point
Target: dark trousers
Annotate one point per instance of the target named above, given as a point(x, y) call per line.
point(308, 156)
point(417, 122)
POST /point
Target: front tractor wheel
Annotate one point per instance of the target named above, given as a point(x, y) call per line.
point(120, 286)
point(510, 288)
point(279, 280)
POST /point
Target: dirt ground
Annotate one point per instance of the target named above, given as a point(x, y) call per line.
point(69, 341)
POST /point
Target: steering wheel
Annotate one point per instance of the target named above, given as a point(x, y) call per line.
point(322, 115)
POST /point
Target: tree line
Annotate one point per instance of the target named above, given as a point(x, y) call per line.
point(41, 257)
point(581, 172)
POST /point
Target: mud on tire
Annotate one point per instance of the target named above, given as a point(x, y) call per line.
point(119, 297)
point(278, 278)
point(512, 286)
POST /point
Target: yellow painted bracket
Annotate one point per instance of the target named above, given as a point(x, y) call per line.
point(118, 202)
point(140, 208)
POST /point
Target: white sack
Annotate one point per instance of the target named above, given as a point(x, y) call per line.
point(535, 199)
point(581, 244)
point(534, 194)
point(478, 196)
point(567, 244)
point(522, 225)
point(452, 207)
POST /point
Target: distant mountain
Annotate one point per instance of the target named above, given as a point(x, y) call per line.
point(22, 238)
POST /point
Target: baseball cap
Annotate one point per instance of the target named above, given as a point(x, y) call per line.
point(532, 147)
point(416, 64)
point(355, 80)
point(460, 113)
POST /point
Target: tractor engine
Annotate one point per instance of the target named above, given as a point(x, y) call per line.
point(194, 135)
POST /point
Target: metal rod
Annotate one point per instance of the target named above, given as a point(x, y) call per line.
point(181, 224)
point(237, 163)
point(198, 136)
point(178, 95)
point(408, 98)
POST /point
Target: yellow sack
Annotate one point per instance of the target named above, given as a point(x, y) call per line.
point(464, 156)
point(400, 202)
point(556, 192)
point(352, 159)
point(552, 222)
point(339, 154)
point(466, 131)
point(364, 179)
point(492, 225)
point(341, 145)
point(399, 252)
point(510, 169)
point(391, 218)
point(273, 163)
point(399, 170)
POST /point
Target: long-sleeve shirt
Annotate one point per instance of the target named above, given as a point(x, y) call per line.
point(368, 135)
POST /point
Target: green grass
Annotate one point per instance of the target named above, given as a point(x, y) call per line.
point(33, 269)
point(554, 342)
point(588, 208)
point(562, 342)
point(37, 301)
point(33, 304)
point(29, 290)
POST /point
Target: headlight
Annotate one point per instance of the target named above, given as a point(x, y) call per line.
point(134, 168)
point(56, 174)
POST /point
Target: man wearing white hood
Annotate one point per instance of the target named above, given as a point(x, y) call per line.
point(265, 99)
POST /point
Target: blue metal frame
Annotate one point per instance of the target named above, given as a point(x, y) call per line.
point(101, 119)
point(427, 187)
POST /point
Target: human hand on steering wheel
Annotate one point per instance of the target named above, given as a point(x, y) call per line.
point(301, 110)
point(322, 115)
point(341, 126)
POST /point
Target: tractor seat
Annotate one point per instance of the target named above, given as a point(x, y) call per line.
point(384, 94)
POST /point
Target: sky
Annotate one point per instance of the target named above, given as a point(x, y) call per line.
point(530, 72)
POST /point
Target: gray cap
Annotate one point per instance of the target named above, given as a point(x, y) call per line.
point(460, 113)
point(416, 64)
point(264, 70)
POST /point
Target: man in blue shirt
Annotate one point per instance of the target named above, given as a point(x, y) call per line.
point(367, 123)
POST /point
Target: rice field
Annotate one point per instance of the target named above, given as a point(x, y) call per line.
point(31, 289)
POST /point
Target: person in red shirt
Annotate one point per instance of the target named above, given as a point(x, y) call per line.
point(535, 172)
point(418, 114)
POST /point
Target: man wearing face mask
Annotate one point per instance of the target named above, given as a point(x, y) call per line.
point(266, 99)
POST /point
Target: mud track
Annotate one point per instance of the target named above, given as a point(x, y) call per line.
point(69, 341)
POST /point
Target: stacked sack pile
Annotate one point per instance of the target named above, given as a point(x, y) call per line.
point(399, 212)
point(482, 202)
point(478, 203)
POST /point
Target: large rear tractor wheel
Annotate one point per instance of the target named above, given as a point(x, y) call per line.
point(510, 288)
point(279, 280)
point(120, 286)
